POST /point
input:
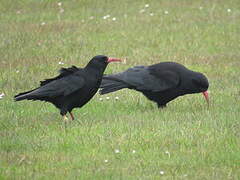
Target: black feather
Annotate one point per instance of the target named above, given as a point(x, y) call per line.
point(63, 72)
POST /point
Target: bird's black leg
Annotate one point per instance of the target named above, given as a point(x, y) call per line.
point(71, 114)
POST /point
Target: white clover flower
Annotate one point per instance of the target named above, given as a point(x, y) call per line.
point(2, 95)
point(146, 5)
point(229, 10)
point(161, 172)
point(133, 151)
point(200, 7)
point(117, 151)
point(91, 17)
point(142, 10)
point(165, 12)
point(100, 99)
point(61, 10)
point(43, 23)
point(116, 98)
point(151, 14)
point(114, 19)
point(61, 63)
point(105, 160)
point(17, 71)
point(59, 3)
point(107, 98)
point(168, 153)
point(107, 16)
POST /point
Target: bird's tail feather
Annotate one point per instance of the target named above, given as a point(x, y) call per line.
point(25, 95)
point(111, 85)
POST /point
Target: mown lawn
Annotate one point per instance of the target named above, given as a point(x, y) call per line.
point(125, 138)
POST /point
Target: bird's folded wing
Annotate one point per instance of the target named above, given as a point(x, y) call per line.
point(165, 80)
point(63, 86)
point(140, 78)
point(63, 73)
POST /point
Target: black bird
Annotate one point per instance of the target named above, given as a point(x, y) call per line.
point(72, 88)
point(160, 82)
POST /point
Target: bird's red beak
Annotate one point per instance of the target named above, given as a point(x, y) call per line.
point(206, 96)
point(113, 60)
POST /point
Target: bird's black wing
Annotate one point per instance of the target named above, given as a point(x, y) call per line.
point(69, 81)
point(141, 78)
point(63, 72)
point(61, 87)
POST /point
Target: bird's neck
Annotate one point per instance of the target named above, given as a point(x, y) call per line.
point(96, 70)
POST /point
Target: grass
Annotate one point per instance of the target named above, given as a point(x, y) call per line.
point(186, 140)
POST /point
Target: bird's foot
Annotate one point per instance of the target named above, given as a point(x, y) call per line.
point(65, 120)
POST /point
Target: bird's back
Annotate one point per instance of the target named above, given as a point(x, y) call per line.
point(158, 82)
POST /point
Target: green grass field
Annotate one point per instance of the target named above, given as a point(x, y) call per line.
point(128, 138)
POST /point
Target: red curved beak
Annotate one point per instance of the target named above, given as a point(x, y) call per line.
point(113, 60)
point(206, 96)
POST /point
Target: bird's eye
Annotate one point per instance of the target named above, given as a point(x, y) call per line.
point(104, 59)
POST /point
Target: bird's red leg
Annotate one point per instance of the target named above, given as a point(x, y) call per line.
point(71, 114)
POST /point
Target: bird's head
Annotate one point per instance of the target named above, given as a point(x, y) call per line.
point(200, 85)
point(101, 59)
point(100, 62)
